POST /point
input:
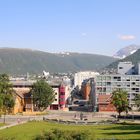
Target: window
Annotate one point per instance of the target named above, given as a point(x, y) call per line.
point(62, 93)
point(108, 83)
point(120, 67)
point(61, 99)
point(133, 83)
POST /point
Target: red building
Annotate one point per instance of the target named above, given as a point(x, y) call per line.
point(62, 92)
point(62, 96)
point(104, 103)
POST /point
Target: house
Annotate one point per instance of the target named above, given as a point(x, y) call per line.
point(23, 102)
point(104, 103)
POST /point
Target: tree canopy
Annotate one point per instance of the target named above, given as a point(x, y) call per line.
point(120, 101)
point(6, 95)
point(42, 95)
point(137, 100)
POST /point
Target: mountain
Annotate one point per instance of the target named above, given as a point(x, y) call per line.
point(134, 58)
point(126, 51)
point(21, 61)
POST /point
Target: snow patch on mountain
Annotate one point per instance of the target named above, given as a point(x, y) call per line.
point(126, 51)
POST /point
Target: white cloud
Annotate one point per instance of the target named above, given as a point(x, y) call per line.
point(127, 37)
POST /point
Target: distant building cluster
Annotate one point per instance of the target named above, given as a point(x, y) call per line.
point(98, 89)
point(94, 87)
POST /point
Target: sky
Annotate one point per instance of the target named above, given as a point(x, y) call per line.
point(85, 26)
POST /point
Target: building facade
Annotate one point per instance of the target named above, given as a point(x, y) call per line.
point(23, 98)
point(106, 84)
point(85, 90)
point(79, 77)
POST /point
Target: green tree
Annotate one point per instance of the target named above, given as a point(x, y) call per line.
point(1, 104)
point(6, 95)
point(5, 86)
point(137, 101)
point(120, 101)
point(42, 94)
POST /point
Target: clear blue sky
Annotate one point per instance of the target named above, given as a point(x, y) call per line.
point(89, 26)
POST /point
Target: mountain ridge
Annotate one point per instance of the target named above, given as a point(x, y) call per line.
point(21, 61)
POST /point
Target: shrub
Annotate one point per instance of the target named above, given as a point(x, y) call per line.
point(57, 134)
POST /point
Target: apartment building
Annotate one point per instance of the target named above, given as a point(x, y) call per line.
point(128, 78)
point(106, 84)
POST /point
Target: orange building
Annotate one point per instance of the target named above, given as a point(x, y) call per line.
point(23, 101)
point(85, 90)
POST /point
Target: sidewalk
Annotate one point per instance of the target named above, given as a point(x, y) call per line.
point(10, 125)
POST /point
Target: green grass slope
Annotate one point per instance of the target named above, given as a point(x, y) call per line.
point(29, 130)
point(21, 61)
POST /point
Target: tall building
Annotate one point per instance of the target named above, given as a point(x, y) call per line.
point(126, 68)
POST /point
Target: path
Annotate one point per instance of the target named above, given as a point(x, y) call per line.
point(13, 124)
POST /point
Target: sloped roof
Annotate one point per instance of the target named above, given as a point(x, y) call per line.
point(22, 92)
point(104, 99)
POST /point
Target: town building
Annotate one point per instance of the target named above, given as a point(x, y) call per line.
point(79, 77)
point(23, 97)
point(128, 79)
point(126, 68)
point(106, 84)
point(104, 103)
point(85, 89)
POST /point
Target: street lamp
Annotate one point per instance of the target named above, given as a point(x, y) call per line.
point(132, 115)
point(31, 102)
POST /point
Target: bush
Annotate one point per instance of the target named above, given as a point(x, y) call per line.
point(57, 134)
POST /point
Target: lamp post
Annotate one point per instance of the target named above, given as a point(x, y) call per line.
point(32, 109)
point(132, 115)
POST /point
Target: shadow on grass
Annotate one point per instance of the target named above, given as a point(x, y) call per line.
point(122, 133)
point(124, 127)
point(123, 130)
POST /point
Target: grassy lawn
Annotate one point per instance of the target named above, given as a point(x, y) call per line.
point(29, 130)
point(2, 124)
